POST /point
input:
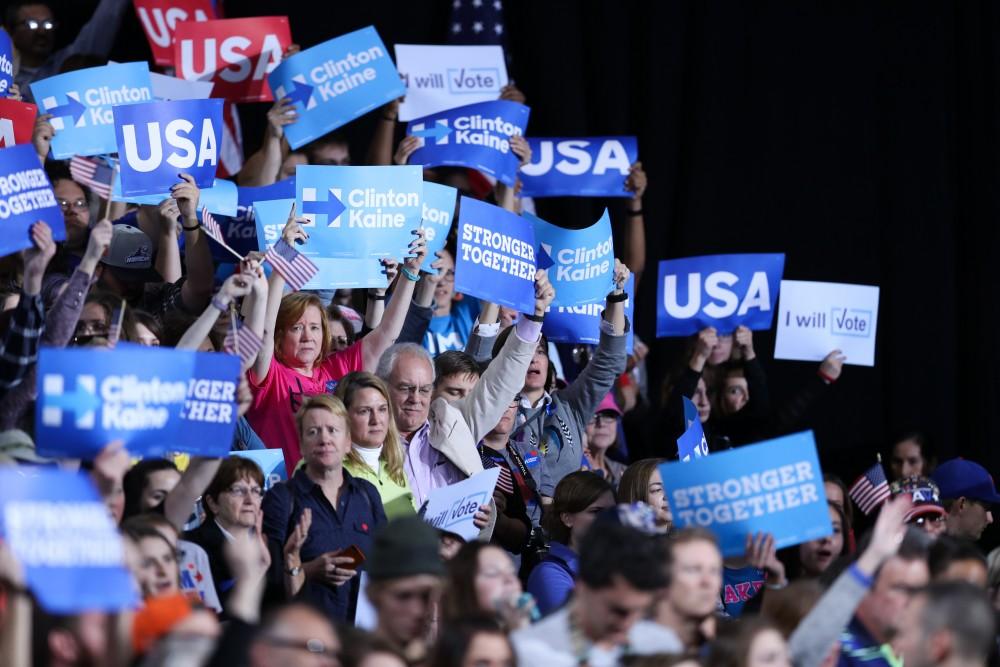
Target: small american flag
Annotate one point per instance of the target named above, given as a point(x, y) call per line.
point(245, 343)
point(212, 228)
point(871, 489)
point(506, 481)
point(293, 266)
point(93, 173)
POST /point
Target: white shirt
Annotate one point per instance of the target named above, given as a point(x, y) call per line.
point(369, 455)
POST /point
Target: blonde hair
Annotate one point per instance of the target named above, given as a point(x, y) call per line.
point(292, 308)
point(392, 448)
point(321, 402)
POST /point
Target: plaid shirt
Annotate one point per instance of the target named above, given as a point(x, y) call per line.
point(20, 342)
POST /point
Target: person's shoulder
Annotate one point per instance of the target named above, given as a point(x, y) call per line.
point(649, 637)
point(549, 630)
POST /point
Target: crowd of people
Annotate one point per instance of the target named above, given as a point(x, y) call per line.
point(376, 398)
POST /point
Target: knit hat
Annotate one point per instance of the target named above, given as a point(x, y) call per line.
point(405, 547)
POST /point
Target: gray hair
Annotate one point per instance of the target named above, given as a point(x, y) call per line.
point(387, 362)
point(964, 611)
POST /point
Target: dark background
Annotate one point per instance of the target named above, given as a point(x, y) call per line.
point(858, 137)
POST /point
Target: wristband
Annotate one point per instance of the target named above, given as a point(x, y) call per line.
point(826, 378)
point(535, 318)
point(410, 275)
point(635, 214)
point(190, 229)
point(617, 298)
point(860, 576)
point(375, 297)
point(221, 305)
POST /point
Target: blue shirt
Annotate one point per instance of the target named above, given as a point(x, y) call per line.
point(357, 515)
point(451, 331)
point(860, 649)
point(553, 579)
point(738, 586)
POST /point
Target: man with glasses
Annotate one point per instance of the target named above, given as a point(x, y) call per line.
point(295, 636)
point(32, 27)
point(968, 494)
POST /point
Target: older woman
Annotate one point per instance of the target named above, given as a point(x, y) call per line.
point(322, 514)
point(602, 433)
point(295, 360)
point(377, 454)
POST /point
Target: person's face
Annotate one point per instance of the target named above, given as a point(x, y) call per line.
point(607, 614)
point(369, 417)
point(488, 650)
point(411, 384)
point(579, 522)
point(449, 547)
point(538, 370)
point(970, 520)
point(910, 641)
point(884, 604)
point(507, 316)
point(768, 649)
point(325, 438)
point(972, 571)
point(834, 494)
point(656, 498)
point(934, 525)
point(144, 336)
point(289, 164)
point(445, 288)
point(333, 154)
point(75, 210)
point(94, 320)
point(158, 485)
point(506, 424)
point(455, 387)
point(301, 343)
point(700, 400)
point(696, 579)
point(338, 336)
point(722, 351)
point(816, 555)
point(405, 606)
point(38, 42)
point(602, 430)
point(299, 629)
point(906, 460)
point(237, 506)
point(735, 394)
point(496, 579)
point(157, 573)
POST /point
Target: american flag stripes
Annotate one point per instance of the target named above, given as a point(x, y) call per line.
point(293, 266)
point(93, 173)
point(871, 489)
point(214, 230)
point(246, 344)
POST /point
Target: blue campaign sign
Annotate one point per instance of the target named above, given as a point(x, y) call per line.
point(580, 262)
point(495, 256)
point(334, 82)
point(271, 462)
point(721, 291)
point(582, 324)
point(6, 63)
point(585, 167)
point(61, 533)
point(359, 211)
point(475, 136)
point(220, 199)
point(159, 140)
point(692, 443)
point(238, 227)
point(439, 211)
point(25, 197)
point(773, 487)
point(156, 400)
point(81, 104)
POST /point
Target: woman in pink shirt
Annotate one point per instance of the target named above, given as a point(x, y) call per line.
point(295, 362)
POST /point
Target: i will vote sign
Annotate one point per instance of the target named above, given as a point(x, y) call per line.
point(17, 122)
point(721, 291)
point(453, 508)
point(160, 18)
point(444, 77)
point(334, 82)
point(773, 487)
point(359, 211)
point(580, 262)
point(25, 197)
point(81, 104)
point(153, 399)
point(234, 54)
point(439, 211)
point(160, 140)
point(816, 318)
point(586, 167)
point(495, 256)
point(61, 533)
point(582, 324)
point(475, 136)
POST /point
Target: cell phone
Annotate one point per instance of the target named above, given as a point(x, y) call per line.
point(354, 553)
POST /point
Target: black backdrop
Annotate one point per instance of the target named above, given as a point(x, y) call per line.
point(857, 136)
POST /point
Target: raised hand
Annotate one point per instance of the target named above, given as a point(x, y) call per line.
point(544, 292)
point(37, 257)
point(186, 193)
point(405, 149)
point(278, 116)
point(418, 250)
point(41, 136)
point(636, 180)
point(832, 365)
point(293, 230)
point(743, 338)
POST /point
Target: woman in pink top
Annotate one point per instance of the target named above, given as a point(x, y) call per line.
point(295, 362)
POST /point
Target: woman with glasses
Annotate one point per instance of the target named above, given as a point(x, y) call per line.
point(602, 434)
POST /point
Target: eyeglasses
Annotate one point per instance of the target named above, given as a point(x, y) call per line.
point(243, 491)
point(604, 417)
point(314, 646)
point(79, 205)
point(32, 24)
point(925, 520)
point(413, 389)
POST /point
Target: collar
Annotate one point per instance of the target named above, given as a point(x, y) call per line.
point(225, 533)
point(421, 433)
point(544, 403)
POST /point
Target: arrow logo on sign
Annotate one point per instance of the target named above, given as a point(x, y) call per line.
point(332, 207)
point(438, 132)
point(299, 92)
point(544, 260)
point(72, 108)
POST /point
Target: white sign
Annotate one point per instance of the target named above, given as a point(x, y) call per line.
point(816, 318)
point(452, 508)
point(439, 78)
point(171, 88)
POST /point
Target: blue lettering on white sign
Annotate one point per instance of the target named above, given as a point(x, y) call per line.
point(584, 167)
point(25, 197)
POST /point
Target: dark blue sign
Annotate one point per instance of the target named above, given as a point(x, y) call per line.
point(25, 197)
point(241, 231)
point(582, 324)
point(584, 167)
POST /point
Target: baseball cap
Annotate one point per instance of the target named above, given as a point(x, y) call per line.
point(609, 404)
point(130, 255)
point(925, 494)
point(960, 478)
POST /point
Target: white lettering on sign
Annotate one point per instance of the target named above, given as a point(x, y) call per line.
point(176, 132)
point(232, 52)
point(62, 534)
point(717, 287)
point(161, 25)
point(575, 159)
point(24, 191)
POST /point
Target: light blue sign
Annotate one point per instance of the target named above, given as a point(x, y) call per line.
point(63, 536)
point(439, 211)
point(584, 167)
point(25, 197)
point(221, 199)
point(159, 140)
point(238, 227)
point(333, 83)
point(581, 262)
point(81, 104)
point(271, 462)
point(156, 400)
point(692, 443)
point(495, 256)
point(582, 324)
point(721, 291)
point(359, 211)
point(773, 487)
point(6, 63)
point(475, 136)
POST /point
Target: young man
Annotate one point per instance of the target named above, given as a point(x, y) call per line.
point(968, 493)
point(688, 607)
point(947, 624)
